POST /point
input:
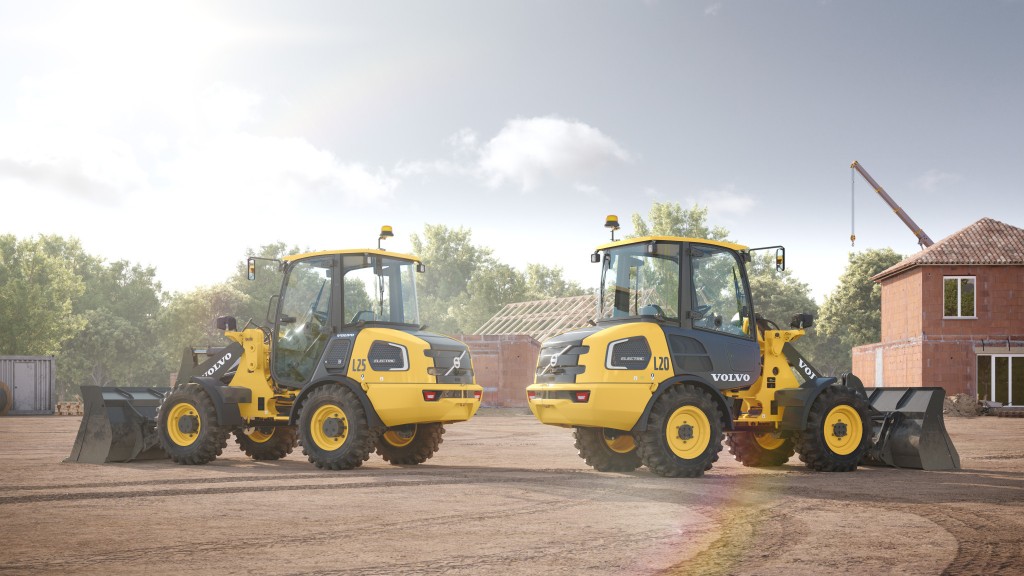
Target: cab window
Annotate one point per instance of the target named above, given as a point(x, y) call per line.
point(719, 300)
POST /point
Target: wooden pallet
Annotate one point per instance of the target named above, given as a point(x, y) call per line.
point(68, 409)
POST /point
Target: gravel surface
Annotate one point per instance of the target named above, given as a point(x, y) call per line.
point(506, 495)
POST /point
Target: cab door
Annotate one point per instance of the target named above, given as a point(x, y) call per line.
point(304, 320)
point(720, 317)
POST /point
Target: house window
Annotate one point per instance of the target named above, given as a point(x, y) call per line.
point(958, 297)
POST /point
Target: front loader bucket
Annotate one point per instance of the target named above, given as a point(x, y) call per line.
point(118, 425)
point(909, 431)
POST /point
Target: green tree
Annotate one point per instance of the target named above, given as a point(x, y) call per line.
point(38, 287)
point(671, 219)
point(451, 260)
point(188, 319)
point(267, 282)
point(778, 296)
point(492, 286)
point(852, 314)
point(120, 305)
point(549, 282)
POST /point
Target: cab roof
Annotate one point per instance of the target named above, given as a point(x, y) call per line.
point(646, 239)
point(370, 251)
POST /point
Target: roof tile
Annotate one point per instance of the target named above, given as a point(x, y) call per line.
point(987, 242)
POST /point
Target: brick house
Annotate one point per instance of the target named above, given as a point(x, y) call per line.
point(953, 316)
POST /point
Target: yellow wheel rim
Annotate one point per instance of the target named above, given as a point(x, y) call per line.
point(843, 429)
point(621, 444)
point(688, 432)
point(174, 416)
point(316, 425)
point(258, 436)
point(397, 440)
point(769, 440)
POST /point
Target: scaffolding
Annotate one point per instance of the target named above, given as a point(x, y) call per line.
point(542, 319)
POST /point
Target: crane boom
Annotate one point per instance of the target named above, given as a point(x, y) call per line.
point(922, 238)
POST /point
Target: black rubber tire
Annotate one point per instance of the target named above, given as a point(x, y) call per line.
point(655, 451)
point(747, 451)
point(358, 444)
point(595, 451)
point(425, 441)
point(211, 438)
point(6, 399)
point(280, 444)
point(811, 443)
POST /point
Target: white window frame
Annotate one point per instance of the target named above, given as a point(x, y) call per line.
point(959, 299)
point(1009, 378)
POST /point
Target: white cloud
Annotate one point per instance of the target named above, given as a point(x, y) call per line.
point(224, 107)
point(272, 168)
point(933, 180)
point(528, 150)
point(587, 189)
point(713, 9)
point(525, 152)
point(464, 141)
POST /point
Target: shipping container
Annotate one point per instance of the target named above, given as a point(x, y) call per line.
point(31, 380)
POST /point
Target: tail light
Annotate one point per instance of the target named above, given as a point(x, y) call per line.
point(531, 394)
point(478, 394)
point(431, 395)
point(581, 396)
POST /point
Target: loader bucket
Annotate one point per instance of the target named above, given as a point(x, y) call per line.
point(118, 425)
point(909, 431)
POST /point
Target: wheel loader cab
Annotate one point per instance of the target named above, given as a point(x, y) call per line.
point(328, 294)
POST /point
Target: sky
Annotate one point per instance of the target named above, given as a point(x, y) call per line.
point(180, 134)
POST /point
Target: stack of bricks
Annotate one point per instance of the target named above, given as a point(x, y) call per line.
point(68, 409)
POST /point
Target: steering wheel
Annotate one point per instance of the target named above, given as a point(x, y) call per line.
point(657, 310)
point(363, 316)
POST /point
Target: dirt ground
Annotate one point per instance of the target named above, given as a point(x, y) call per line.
point(504, 494)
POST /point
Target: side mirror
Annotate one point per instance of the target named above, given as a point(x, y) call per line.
point(801, 321)
point(595, 258)
point(780, 259)
point(227, 323)
point(421, 267)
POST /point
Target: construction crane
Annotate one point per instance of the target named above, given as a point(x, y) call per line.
point(922, 239)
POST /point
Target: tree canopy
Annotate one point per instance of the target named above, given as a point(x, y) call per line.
point(852, 314)
point(110, 323)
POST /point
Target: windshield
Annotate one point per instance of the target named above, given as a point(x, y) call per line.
point(635, 283)
point(380, 289)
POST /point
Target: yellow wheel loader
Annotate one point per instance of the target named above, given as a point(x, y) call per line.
point(678, 361)
point(343, 367)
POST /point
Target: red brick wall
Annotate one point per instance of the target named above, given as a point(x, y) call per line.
point(921, 348)
point(901, 363)
point(864, 364)
point(504, 365)
point(901, 306)
point(999, 302)
point(952, 365)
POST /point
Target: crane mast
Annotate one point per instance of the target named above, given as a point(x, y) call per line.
point(922, 239)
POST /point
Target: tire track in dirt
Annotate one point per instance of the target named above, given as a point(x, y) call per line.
point(122, 484)
point(123, 554)
point(987, 541)
point(552, 479)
